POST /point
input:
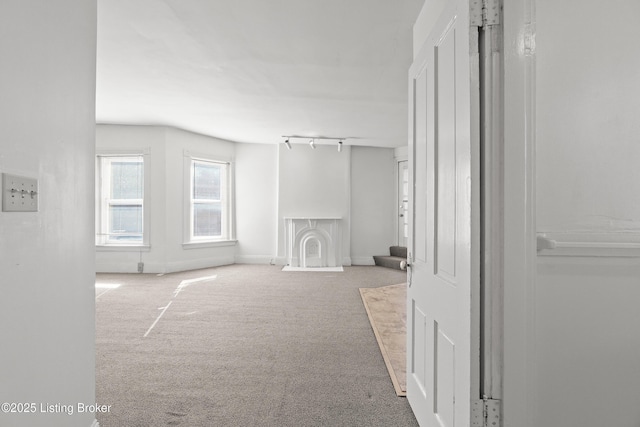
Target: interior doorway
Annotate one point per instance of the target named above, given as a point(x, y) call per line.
point(403, 203)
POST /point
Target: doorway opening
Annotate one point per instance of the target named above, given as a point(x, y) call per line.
point(402, 204)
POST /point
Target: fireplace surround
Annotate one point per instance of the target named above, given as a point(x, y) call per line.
point(313, 242)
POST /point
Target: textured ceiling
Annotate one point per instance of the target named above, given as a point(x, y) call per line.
point(254, 70)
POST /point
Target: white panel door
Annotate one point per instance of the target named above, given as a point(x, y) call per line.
point(444, 222)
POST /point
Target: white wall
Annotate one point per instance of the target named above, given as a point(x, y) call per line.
point(270, 183)
point(150, 139)
point(588, 99)
point(256, 202)
point(166, 147)
point(179, 258)
point(314, 183)
point(47, 116)
point(373, 189)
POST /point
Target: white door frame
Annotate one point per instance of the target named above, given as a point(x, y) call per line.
point(519, 214)
point(492, 202)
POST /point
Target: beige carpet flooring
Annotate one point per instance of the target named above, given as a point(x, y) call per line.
point(243, 345)
point(386, 308)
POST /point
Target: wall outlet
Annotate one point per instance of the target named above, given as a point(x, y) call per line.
point(140, 267)
point(19, 193)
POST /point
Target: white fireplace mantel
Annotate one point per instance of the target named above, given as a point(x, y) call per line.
point(313, 242)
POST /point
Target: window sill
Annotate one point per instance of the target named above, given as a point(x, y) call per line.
point(123, 248)
point(209, 244)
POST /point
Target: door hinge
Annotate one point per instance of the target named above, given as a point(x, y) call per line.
point(483, 13)
point(485, 413)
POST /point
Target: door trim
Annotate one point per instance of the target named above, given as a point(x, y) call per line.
point(519, 376)
point(492, 204)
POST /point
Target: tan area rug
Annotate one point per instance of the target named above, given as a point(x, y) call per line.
point(386, 308)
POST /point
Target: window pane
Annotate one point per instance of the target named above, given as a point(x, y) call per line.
point(125, 223)
point(206, 181)
point(126, 180)
point(207, 219)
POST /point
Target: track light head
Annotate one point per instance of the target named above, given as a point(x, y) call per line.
point(287, 143)
point(339, 146)
point(312, 144)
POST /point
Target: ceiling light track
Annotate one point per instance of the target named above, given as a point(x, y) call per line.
point(313, 140)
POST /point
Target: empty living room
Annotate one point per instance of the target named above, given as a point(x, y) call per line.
point(211, 182)
point(319, 213)
point(230, 254)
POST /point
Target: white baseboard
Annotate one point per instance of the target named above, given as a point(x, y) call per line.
point(281, 260)
point(255, 259)
point(195, 264)
point(118, 267)
point(314, 269)
point(128, 267)
point(346, 261)
point(170, 267)
point(362, 260)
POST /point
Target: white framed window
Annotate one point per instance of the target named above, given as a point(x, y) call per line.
point(121, 215)
point(209, 200)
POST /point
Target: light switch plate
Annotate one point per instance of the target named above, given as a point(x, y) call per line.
point(19, 193)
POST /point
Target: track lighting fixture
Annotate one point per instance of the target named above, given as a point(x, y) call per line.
point(312, 140)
